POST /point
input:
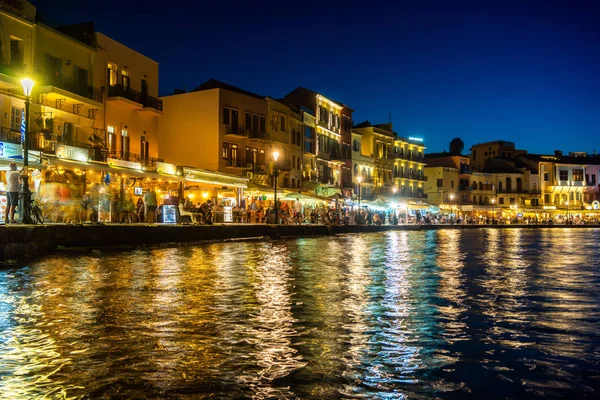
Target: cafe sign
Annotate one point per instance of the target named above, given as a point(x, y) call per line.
point(72, 153)
point(11, 150)
point(113, 162)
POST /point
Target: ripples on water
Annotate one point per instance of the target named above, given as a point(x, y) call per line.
point(477, 313)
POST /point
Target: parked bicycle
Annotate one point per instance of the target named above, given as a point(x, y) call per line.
point(33, 210)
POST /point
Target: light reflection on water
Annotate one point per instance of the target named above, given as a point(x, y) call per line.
point(481, 313)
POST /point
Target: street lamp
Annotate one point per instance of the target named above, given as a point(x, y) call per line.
point(567, 203)
point(493, 210)
point(275, 174)
point(451, 213)
point(25, 194)
point(395, 189)
point(359, 179)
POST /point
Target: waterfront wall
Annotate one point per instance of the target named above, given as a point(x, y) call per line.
point(20, 241)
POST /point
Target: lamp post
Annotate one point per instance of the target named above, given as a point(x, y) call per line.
point(25, 194)
point(493, 210)
point(395, 189)
point(567, 203)
point(359, 179)
point(275, 175)
point(451, 213)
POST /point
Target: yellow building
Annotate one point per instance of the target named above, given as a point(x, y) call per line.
point(409, 162)
point(363, 167)
point(132, 106)
point(211, 127)
point(330, 154)
point(378, 144)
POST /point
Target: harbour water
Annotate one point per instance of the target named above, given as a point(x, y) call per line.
point(483, 313)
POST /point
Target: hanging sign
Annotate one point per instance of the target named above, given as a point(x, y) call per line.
point(11, 150)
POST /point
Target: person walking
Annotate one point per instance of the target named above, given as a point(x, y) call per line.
point(150, 204)
point(12, 193)
point(298, 211)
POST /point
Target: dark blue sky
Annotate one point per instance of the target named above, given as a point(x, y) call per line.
point(522, 71)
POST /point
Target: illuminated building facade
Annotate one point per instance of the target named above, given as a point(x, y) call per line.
point(330, 153)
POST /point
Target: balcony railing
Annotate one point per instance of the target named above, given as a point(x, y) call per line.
point(134, 95)
point(81, 89)
point(6, 135)
point(407, 175)
point(408, 157)
point(146, 161)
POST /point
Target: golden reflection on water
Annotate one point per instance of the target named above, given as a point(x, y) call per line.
point(394, 315)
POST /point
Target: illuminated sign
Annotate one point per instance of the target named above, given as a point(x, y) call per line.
point(11, 150)
point(72, 153)
point(416, 139)
point(166, 168)
point(113, 162)
point(549, 207)
point(596, 205)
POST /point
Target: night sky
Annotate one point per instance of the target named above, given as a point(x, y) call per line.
point(529, 73)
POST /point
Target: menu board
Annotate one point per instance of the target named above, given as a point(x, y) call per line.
point(3, 202)
point(169, 214)
point(227, 214)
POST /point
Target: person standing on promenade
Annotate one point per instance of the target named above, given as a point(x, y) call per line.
point(298, 211)
point(150, 205)
point(12, 193)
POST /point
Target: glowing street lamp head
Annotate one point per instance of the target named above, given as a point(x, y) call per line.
point(451, 197)
point(359, 179)
point(493, 201)
point(395, 189)
point(27, 86)
point(566, 202)
point(275, 155)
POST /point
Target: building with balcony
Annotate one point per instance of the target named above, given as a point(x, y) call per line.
point(219, 127)
point(331, 155)
point(363, 168)
point(16, 61)
point(309, 153)
point(409, 164)
point(565, 181)
point(132, 108)
point(378, 144)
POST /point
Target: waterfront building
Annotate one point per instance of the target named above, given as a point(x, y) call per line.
point(567, 184)
point(309, 152)
point(482, 152)
point(378, 146)
point(409, 163)
point(330, 154)
point(363, 168)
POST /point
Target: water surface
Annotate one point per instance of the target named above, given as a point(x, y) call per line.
point(485, 313)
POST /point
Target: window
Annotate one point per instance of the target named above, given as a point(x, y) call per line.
point(255, 124)
point(112, 74)
point(440, 183)
point(248, 122)
point(225, 154)
point(512, 200)
point(226, 120)
point(593, 179)
point(126, 79)
point(16, 52)
point(451, 183)
point(501, 200)
point(112, 141)
point(564, 175)
point(546, 176)
point(124, 141)
point(282, 123)
point(578, 175)
point(262, 125)
point(234, 121)
point(16, 117)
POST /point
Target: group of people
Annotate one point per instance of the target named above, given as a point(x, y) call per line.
point(202, 212)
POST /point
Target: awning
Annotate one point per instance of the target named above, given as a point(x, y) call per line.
point(102, 167)
point(214, 178)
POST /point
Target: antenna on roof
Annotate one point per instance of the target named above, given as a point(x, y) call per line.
point(390, 117)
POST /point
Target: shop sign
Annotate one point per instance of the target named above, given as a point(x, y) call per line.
point(596, 205)
point(166, 168)
point(11, 150)
point(448, 207)
point(72, 153)
point(214, 178)
point(113, 162)
point(467, 208)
